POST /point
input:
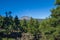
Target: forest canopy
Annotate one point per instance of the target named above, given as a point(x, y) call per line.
point(48, 29)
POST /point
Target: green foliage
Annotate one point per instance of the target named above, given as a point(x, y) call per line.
point(56, 12)
point(30, 25)
point(57, 2)
point(24, 25)
point(1, 21)
point(49, 28)
point(16, 23)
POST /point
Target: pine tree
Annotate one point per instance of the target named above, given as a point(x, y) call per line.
point(6, 23)
point(24, 25)
point(16, 23)
point(31, 25)
point(1, 21)
point(56, 16)
point(36, 29)
point(57, 2)
point(10, 21)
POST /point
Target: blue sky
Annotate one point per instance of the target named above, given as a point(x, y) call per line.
point(32, 8)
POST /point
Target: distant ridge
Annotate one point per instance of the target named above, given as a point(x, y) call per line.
point(28, 18)
point(25, 17)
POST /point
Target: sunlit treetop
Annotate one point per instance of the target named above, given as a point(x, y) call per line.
point(56, 12)
point(57, 2)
